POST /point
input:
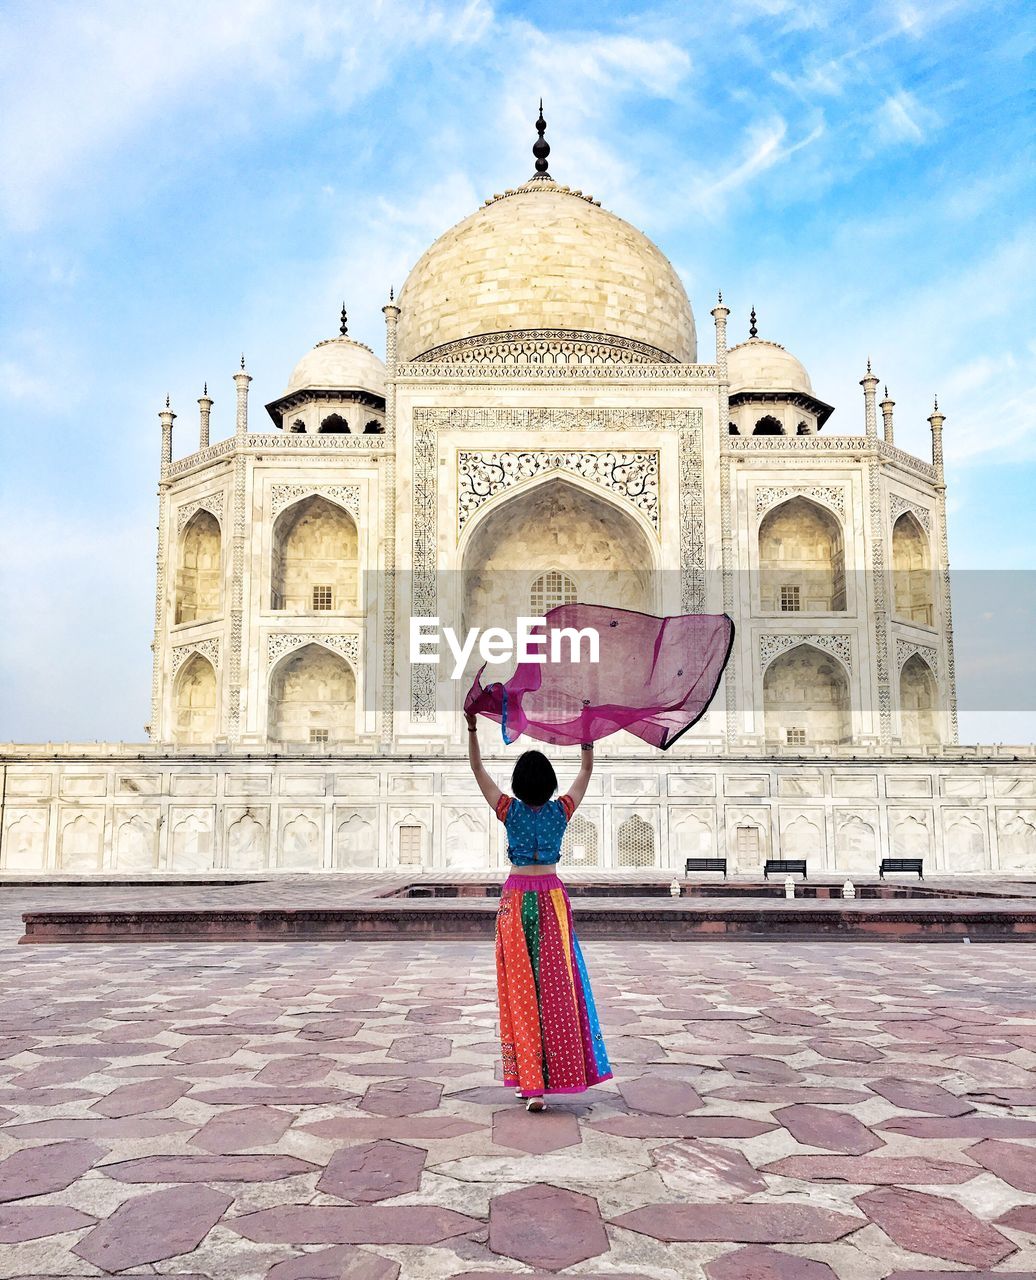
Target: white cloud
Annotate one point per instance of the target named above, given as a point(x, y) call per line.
point(901, 118)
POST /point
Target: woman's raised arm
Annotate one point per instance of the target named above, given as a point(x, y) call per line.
point(485, 783)
point(586, 766)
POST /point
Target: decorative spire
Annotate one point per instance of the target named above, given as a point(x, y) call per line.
point(343, 327)
point(242, 359)
point(205, 388)
point(167, 400)
point(753, 330)
point(541, 149)
point(392, 293)
point(719, 296)
point(936, 408)
point(868, 366)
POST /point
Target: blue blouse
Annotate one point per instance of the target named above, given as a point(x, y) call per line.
point(534, 835)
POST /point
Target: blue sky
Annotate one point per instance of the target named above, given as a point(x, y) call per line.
point(188, 181)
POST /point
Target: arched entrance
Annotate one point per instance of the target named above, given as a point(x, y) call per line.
point(315, 558)
point(801, 559)
point(312, 698)
point(194, 699)
point(806, 699)
point(918, 703)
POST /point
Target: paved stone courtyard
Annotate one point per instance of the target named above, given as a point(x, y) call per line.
point(861, 1111)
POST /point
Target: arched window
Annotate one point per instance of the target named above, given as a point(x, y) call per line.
point(732, 429)
point(636, 843)
point(312, 698)
point(801, 559)
point(315, 551)
point(806, 699)
point(551, 589)
point(768, 426)
point(194, 702)
point(802, 429)
point(911, 572)
point(373, 428)
point(579, 844)
point(298, 427)
point(198, 570)
point(918, 703)
point(334, 424)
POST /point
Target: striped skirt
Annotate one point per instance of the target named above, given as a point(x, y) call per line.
point(550, 1037)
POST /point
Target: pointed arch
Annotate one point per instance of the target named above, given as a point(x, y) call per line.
point(579, 845)
point(315, 565)
point(199, 569)
point(334, 424)
point(768, 425)
point(801, 558)
point(312, 697)
point(918, 703)
point(635, 843)
point(806, 698)
point(913, 597)
point(195, 703)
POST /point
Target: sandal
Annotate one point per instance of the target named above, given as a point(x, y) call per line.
point(535, 1104)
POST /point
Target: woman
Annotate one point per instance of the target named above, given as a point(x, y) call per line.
point(550, 1037)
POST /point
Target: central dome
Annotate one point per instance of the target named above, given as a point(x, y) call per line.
point(543, 265)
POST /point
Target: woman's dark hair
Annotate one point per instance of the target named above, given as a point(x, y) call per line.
point(534, 779)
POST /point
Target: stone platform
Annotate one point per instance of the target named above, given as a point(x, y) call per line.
point(454, 906)
point(781, 1111)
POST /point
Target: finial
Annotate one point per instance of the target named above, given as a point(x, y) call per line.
point(343, 327)
point(886, 390)
point(753, 331)
point(541, 148)
point(242, 359)
point(205, 388)
point(936, 409)
point(167, 400)
point(392, 293)
point(720, 296)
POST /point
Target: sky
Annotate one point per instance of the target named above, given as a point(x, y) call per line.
point(183, 183)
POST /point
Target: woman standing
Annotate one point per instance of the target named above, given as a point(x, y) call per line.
point(550, 1037)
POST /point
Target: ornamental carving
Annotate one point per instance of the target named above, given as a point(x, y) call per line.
point(345, 495)
point(905, 650)
point(852, 446)
point(212, 503)
point(632, 475)
point(626, 371)
point(687, 423)
point(281, 643)
point(898, 504)
point(209, 649)
point(546, 347)
point(830, 495)
point(773, 644)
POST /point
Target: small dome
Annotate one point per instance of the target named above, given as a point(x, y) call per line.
point(758, 365)
point(339, 364)
point(546, 258)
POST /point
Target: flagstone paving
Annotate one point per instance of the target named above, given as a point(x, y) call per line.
point(294, 1110)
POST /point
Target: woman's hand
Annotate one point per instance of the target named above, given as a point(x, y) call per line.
point(471, 721)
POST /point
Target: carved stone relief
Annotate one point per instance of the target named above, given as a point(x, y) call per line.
point(772, 644)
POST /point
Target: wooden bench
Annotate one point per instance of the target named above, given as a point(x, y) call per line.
point(790, 866)
point(705, 864)
point(901, 864)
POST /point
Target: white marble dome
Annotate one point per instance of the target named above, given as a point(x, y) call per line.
point(543, 257)
point(758, 365)
point(338, 364)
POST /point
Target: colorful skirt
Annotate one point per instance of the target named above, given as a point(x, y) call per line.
point(550, 1036)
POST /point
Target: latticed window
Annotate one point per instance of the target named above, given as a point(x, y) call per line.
point(409, 846)
point(319, 735)
point(580, 842)
point(323, 598)
point(549, 590)
point(796, 737)
point(791, 599)
point(636, 843)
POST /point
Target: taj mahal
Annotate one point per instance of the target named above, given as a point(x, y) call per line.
point(544, 427)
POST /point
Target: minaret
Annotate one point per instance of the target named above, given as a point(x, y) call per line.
point(886, 408)
point(720, 312)
point(242, 379)
point(205, 403)
point(935, 421)
point(869, 383)
point(166, 417)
